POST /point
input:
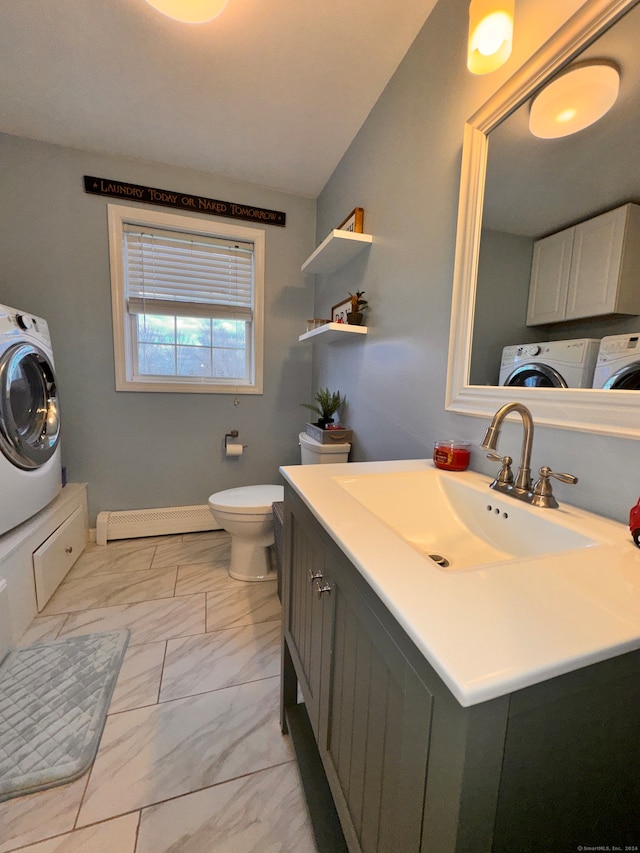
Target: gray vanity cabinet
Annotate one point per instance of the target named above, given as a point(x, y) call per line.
point(547, 768)
point(369, 710)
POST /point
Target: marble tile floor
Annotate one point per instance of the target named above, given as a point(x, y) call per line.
point(191, 758)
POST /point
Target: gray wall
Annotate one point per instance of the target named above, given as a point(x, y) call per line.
point(403, 168)
point(139, 450)
point(502, 295)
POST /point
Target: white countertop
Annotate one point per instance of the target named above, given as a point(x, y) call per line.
point(490, 630)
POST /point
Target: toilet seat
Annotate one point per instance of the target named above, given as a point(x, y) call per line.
point(247, 500)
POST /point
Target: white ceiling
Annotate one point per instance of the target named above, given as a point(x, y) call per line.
point(271, 92)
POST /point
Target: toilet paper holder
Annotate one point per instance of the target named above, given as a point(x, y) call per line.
point(231, 434)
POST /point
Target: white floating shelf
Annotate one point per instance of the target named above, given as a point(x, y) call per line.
point(334, 251)
point(331, 332)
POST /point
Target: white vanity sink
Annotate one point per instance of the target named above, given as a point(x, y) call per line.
point(459, 523)
point(529, 593)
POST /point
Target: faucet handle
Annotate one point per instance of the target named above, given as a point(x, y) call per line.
point(546, 472)
point(564, 478)
point(542, 491)
point(505, 477)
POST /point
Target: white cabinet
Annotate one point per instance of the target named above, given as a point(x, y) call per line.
point(57, 554)
point(61, 525)
point(588, 270)
point(549, 283)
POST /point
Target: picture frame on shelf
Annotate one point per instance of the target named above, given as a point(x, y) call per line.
point(354, 221)
point(339, 311)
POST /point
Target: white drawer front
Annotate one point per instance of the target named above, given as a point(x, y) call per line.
point(57, 554)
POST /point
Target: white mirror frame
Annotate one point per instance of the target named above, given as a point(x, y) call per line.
point(585, 409)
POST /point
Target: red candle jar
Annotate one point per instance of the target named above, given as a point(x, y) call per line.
point(452, 455)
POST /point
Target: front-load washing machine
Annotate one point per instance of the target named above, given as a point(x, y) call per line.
point(618, 364)
point(30, 468)
point(552, 364)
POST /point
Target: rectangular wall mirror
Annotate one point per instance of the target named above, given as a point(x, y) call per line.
point(516, 190)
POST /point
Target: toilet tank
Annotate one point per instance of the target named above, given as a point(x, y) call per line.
point(314, 453)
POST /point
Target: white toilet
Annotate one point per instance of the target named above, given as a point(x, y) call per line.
point(247, 514)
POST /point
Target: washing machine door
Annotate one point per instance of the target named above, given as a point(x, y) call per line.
point(625, 379)
point(29, 411)
point(535, 376)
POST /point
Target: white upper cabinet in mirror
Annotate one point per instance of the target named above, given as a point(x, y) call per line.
point(508, 176)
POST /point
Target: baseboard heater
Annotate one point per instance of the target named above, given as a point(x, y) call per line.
point(134, 523)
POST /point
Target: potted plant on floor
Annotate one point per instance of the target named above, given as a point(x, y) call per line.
point(358, 306)
point(326, 405)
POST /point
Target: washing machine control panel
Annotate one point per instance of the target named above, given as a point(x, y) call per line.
point(16, 325)
point(517, 352)
point(617, 345)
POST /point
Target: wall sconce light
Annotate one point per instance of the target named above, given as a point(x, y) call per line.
point(574, 100)
point(189, 11)
point(490, 34)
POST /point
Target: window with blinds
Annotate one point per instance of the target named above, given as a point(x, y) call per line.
point(189, 302)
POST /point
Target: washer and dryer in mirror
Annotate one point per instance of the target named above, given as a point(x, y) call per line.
point(551, 364)
point(30, 467)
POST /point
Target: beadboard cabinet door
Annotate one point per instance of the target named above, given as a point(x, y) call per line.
point(375, 739)
point(308, 614)
point(369, 711)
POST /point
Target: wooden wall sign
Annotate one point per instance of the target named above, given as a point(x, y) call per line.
point(353, 222)
point(183, 201)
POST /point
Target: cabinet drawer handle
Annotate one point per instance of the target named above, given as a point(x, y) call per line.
point(321, 589)
point(314, 575)
point(69, 550)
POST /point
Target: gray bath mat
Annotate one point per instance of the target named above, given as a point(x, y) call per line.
point(53, 705)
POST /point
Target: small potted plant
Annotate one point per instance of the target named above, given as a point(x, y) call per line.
point(327, 404)
point(358, 304)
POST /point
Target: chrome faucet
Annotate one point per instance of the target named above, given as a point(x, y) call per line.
point(539, 495)
point(522, 483)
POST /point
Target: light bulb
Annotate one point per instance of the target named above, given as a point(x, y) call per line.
point(490, 34)
point(189, 11)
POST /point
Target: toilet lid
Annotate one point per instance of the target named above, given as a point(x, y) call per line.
point(247, 499)
point(317, 446)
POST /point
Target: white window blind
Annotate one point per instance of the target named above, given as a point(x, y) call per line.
point(188, 275)
point(188, 302)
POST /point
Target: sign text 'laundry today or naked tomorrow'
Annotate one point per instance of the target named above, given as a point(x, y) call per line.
point(182, 201)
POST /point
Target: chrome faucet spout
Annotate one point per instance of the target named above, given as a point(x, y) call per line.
point(523, 482)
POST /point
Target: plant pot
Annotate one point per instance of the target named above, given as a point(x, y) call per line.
point(354, 318)
point(323, 422)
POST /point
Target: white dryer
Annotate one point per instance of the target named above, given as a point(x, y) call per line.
point(618, 364)
point(30, 467)
point(552, 364)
